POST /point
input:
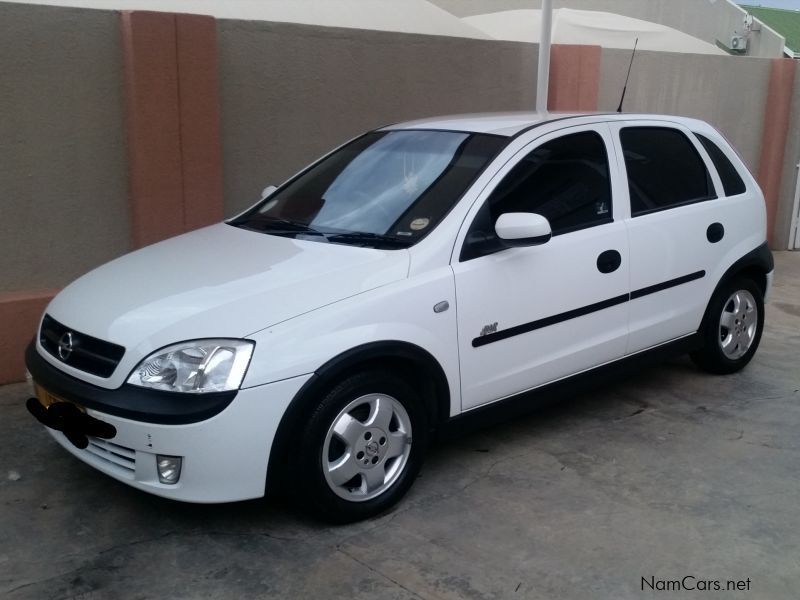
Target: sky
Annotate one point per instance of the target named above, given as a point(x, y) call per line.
point(789, 4)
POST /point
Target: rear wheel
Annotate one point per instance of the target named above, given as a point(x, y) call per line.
point(362, 448)
point(732, 327)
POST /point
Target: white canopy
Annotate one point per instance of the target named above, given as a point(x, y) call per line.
point(420, 16)
point(408, 16)
point(589, 27)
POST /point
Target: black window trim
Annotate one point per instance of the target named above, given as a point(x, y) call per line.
point(574, 228)
point(525, 151)
point(700, 137)
point(651, 211)
point(693, 142)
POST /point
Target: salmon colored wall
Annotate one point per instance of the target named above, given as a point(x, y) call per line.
point(574, 78)
point(152, 120)
point(201, 147)
point(172, 123)
point(777, 114)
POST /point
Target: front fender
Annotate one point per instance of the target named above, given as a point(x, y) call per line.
point(400, 312)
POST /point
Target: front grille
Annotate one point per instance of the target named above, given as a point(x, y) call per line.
point(85, 352)
point(123, 459)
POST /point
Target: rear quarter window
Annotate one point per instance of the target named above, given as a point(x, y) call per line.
point(732, 182)
point(664, 169)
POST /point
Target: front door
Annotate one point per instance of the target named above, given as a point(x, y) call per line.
point(531, 315)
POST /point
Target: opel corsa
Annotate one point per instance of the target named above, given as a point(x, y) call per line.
point(419, 273)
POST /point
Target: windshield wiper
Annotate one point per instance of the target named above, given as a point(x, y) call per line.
point(374, 239)
point(280, 226)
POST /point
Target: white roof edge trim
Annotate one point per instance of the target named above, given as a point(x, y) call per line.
point(511, 124)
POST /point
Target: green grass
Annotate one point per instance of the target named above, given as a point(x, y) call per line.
point(785, 22)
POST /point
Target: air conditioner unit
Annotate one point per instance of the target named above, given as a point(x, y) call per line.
point(738, 43)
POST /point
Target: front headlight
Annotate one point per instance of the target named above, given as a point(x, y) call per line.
point(199, 366)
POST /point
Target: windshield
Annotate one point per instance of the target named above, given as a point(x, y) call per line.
point(384, 189)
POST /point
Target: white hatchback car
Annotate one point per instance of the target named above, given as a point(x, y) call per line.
point(418, 273)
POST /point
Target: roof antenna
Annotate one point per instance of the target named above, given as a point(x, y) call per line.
point(621, 100)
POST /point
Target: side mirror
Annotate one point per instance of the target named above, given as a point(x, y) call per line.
point(267, 191)
point(523, 229)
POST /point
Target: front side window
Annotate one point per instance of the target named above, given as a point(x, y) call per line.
point(565, 180)
point(385, 189)
point(664, 169)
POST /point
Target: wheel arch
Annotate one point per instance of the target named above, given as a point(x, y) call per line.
point(754, 265)
point(418, 366)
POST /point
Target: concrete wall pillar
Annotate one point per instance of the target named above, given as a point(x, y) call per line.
point(574, 78)
point(172, 123)
point(777, 114)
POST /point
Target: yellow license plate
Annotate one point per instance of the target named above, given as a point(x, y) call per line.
point(47, 399)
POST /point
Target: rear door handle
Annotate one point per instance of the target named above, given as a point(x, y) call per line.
point(609, 261)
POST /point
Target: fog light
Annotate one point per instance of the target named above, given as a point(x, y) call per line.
point(169, 469)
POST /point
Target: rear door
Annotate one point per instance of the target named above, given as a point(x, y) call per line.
point(678, 229)
point(531, 315)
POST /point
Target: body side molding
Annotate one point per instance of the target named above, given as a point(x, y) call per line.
point(547, 321)
point(665, 285)
point(583, 310)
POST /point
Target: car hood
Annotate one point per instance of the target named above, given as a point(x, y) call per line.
point(220, 281)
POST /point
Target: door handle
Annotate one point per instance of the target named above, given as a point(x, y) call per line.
point(609, 261)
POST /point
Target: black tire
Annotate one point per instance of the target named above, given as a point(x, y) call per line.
point(309, 466)
point(711, 356)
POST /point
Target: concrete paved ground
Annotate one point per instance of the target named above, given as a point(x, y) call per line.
point(668, 474)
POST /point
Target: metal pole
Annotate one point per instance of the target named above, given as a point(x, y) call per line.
point(543, 76)
point(794, 230)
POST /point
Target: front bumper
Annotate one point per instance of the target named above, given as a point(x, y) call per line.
point(225, 457)
point(129, 401)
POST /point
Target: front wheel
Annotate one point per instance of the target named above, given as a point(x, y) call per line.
point(362, 448)
point(732, 327)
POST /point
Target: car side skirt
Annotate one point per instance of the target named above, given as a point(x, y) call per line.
point(522, 403)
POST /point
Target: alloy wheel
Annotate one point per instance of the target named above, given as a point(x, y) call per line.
point(366, 447)
point(738, 324)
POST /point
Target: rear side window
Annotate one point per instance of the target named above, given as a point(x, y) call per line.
point(664, 169)
point(731, 180)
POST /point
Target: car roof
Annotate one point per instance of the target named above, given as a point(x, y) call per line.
point(512, 123)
